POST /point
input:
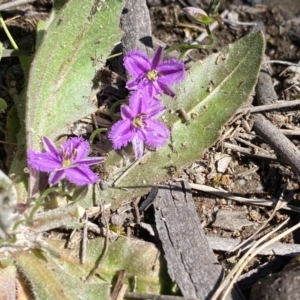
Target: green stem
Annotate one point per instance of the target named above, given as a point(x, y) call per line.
point(113, 108)
point(185, 47)
point(95, 132)
point(8, 33)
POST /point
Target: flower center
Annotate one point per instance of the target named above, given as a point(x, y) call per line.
point(68, 156)
point(152, 75)
point(138, 121)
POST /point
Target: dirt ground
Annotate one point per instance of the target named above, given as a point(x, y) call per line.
point(247, 176)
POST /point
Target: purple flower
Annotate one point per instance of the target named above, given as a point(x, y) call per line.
point(153, 75)
point(139, 124)
point(69, 161)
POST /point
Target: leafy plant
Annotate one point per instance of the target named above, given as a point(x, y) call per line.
point(60, 91)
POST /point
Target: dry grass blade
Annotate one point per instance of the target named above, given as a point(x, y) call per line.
point(279, 205)
point(254, 250)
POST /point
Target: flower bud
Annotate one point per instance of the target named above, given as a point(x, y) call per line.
point(197, 15)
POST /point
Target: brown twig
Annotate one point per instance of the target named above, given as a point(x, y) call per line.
point(154, 297)
point(276, 208)
point(251, 201)
point(266, 94)
point(105, 249)
point(248, 152)
point(275, 106)
point(15, 3)
point(118, 287)
point(84, 239)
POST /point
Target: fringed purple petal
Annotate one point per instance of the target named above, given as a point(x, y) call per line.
point(167, 90)
point(138, 102)
point(156, 134)
point(90, 161)
point(138, 147)
point(157, 58)
point(152, 89)
point(81, 175)
point(172, 71)
point(81, 146)
point(45, 162)
point(132, 84)
point(126, 112)
point(56, 176)
point(121, 133)
point(49, 145)
point(155, 109)
point(136, 62)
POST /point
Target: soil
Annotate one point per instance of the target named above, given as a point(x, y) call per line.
point(280, 22)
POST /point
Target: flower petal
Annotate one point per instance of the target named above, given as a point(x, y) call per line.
point(166, 89)
point(126, 112)
point(90, 161)
point(172, 71)
point(138, 103)
point(155, 109)
point(44, 161)
point(81, 146)
point(132, 84)
point(137, 63)
point(81, 175)
point(138, 147)
point(157, 57)
point(56, 176)
point(49, 145)
point(121, 133)
point(152, 88)
point(156, 133)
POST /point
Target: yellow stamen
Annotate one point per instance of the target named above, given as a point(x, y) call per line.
point(137, 122)
point(152, 75)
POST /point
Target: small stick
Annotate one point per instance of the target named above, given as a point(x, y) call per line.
point(84, 240)
point(275, 106)
point(248, 152)
point(256, 248)
point(290, 131)
point(15, 3)
point(231, 277)
point(283, 147)
point(276, 208)
point(130, 168)
point(105, 250)
point(137, 211)
point(222, 193)
point(277, 141)
point(118, 286)
point(281, 62)
point(239, 23)
point(122, 292)
point(251, 145)
point(154, 297)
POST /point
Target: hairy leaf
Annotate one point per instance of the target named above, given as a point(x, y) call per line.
point(49, 279)
point(75, 46)
point(138, 258)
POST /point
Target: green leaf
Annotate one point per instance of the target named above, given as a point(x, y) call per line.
point(16, 133)
point(213, 90)
point(65, 276)
point(50, 279)
point(3, 104)
point(8, 201)
point(75, 46)
point(43, 25)
point(138, 258)
point(8, 283)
